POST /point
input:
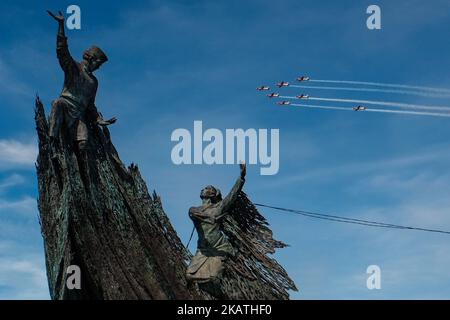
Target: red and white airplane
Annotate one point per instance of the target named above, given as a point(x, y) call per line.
point(284, 103)
point(303, 78)
point(273, 95)
point(263, 88)
point(282, 84)
point(303, 96)
point(359, 108)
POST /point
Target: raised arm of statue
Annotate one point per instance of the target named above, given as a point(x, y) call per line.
point(62, 49)
point(229, 200)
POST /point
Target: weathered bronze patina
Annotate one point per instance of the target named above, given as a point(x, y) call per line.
point(213, 247)
point(75, 108)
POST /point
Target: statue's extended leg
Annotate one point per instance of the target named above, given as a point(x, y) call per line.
point(56, 121)
point(83, 161)
point(207, 271)
point(55, 124)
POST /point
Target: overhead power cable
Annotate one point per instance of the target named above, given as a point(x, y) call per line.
point(342, 219)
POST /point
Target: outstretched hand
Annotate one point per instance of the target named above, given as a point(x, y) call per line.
point(59, 18)
point(112, 120)
point(107, 122)
point(243, 168)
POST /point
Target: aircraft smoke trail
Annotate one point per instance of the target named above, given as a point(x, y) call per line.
point(389, 85)
point(410, 112)
point(320, 107)
point(379, 103)
point(415, 93)
point(447, 115)
point(386, 103)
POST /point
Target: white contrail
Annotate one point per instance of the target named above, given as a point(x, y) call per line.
point(397, 91)
point(320, 107)
point(373, 110)
point(379, 103)
point(380, 84)
point(387, 103)
point(410, 112)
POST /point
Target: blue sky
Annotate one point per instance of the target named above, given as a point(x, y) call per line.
point(173, 62)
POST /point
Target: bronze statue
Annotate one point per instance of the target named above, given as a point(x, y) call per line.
point(98, 214)
point(75, 108)
point(234, 242)
point(213, 247)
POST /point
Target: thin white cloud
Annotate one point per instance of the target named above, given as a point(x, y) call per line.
point(354, 168)
point(14, 153)
point(420, 199)
point(26, 205)
point(11, 181)
point(9, 83)
point(25, 277)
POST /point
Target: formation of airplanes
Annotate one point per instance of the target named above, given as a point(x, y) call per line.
point(283, 83)
point(300, 96)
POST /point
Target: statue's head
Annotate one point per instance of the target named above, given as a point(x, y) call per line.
point(210, 193)
point(94, 57)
